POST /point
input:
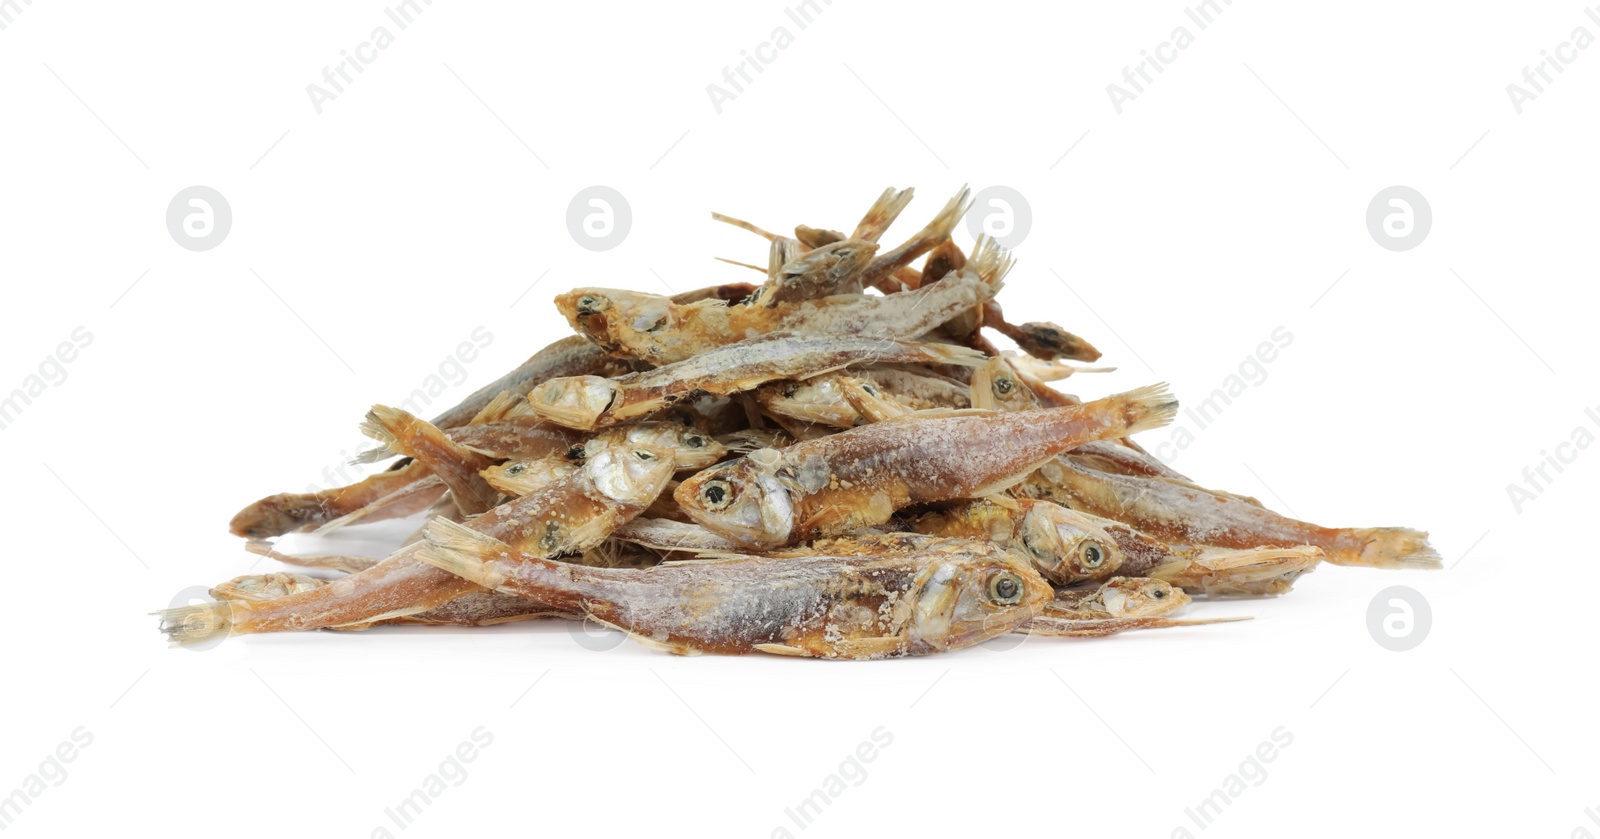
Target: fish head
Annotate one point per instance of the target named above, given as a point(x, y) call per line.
point(1141, 597)
point(520, 477)
point(968, 597)
point(259, 587)
point(630, 473)
point(1067, 546)
point(573, 401)
point(691, 448)
point(743, 499)
point(611, 317)
point(996, 385)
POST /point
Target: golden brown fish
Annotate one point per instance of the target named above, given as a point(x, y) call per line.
point(913, 603)
point(860, 477)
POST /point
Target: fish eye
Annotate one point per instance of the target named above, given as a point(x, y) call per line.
point(1159, 594)
point(644, 455)
point(1092, 555)
point(575, 453)
point(717, 494)
point(695, 441)
point(1005, 588)
point(516, 468)
point(1003, 386)
point(590, 304)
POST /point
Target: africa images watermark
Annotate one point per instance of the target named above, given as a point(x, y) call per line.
point(1252, 772)
point(1251, 372)
point(52, 372)
point(1536, 477)
point(1138, 76)
point(450, 373)
point(737, 76)
point(451, 772)
point(852, 772)
point(1538, 76)
point(51, 772)
point(9, 11)
point(381, 38)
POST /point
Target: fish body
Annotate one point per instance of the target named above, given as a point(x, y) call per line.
point(590, 402)
point(1178, 513)
point(897, 604)
point(860, 477)
point(617, 482)
point(654, 329)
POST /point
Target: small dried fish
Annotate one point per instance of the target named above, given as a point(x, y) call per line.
point(1118, 597)
point(655, 329)
point(854, 607)
point(1065, 546)
point(276, 515)
point(859, 477)
point(617, 482)
point(589, 401)
point(1178, 513)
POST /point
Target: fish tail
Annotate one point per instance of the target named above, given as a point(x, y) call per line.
point(463, 552)
point(200, 622)
point(882, 213)
point(1391, 547)
point(1151, 406)
point(954, 210)
point(991, 262)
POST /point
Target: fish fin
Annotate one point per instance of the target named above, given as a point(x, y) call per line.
point(868, 648)
point(376, 454)
point(1151, 406)
point(882, 214)
point(357, 515)
point(1394, 547)
point(495, 409)
point(652, 643)
point(200, 622)
point(781, 649)
point(750, 439)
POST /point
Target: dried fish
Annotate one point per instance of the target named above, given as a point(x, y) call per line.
point(852, 607)
point(859, 477)
point(590, 401)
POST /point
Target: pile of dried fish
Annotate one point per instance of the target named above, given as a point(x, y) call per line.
point(835, 463)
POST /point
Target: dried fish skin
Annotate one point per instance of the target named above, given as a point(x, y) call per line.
point(860, 477)
point(276, 515)
point(856, 607)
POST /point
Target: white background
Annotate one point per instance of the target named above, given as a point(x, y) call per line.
point(420, 204)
